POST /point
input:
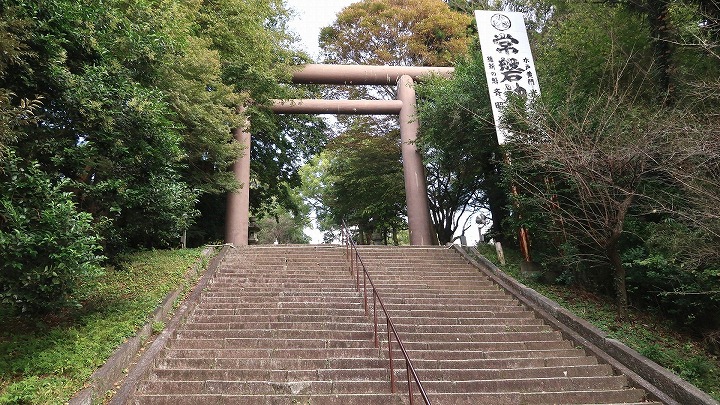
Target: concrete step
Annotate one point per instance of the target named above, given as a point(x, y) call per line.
point(275, 353)
point(234, 387)
point(295, 363)
point(525, 385)
point(487, 347)
point(626, 396)
point(448, 374)
point(315, 399)
point(494, 364)
point(440, 354)
point(287, 334)
point(257, 321)
point(267, 343)
point(231, 323)
point(279, 314)
point(260, 375)
point(410, 336)
point(246, 302)
point(500, 305)
point(467, 320)
point(220, 302)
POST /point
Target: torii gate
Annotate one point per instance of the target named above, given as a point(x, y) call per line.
point(238, 203)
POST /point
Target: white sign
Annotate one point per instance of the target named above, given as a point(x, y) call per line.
point(509, 64)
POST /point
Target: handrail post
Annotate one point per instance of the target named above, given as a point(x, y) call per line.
point(365, 293)
point(407, 371)
point(392, 369)
point(357, 271)
point(377, 341)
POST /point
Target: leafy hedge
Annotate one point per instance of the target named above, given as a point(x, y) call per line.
point(48, 250)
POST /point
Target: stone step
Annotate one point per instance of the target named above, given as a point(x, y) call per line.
point(267, 343)
point(440, 354)
point(294, 363)
point(543, 384)
point(275, 353)
point(486, 347)
point(278, 313)
point(334, 335)
point(260, 375)
point(347, 288)
point(494, 305)
point(462, 331)
point(246, 301)
point(253, 320)
point(233, 387)
point(411, 335)
point(627, 396)
point(536, 385)
point(231, 323)
point(526, 319)
point(460, 374)
point(505, 364)
point(459, 313)
point(219, 302)
point(494, 292)
point(315, 399)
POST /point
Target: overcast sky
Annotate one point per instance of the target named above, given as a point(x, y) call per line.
point(311, 16)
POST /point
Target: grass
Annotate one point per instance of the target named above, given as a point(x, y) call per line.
point(649, 334)
point(45, 360)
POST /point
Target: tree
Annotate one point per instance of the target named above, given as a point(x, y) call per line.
point(139, 99)
point(278, 225)
point(396, 32)
point(358, 179)
point(598, 161)
point(459, 145)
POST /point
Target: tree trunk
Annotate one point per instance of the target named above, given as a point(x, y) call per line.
point(659, 20)
point(621, 299)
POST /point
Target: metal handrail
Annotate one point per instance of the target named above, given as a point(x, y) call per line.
point(354, 259)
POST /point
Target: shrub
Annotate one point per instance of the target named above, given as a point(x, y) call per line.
point(48, 250)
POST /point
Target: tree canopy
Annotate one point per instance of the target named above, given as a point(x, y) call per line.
point(396, 32)
point(125, 108)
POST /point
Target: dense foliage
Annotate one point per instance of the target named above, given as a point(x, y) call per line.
point(460, 149)
point(617, 163)
point(359, 179)
point(119, 115)
point(48, 250)
point(46, 360)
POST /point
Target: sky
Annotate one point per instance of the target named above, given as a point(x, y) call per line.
point(311, 16)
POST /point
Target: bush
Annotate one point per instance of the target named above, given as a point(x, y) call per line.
point(48, 250)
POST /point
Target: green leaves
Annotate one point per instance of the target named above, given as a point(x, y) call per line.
point(393, 32)
point(48, 250)
point(139, 101)
point(358, 179)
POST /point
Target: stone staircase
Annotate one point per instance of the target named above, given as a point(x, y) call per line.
point(276, 325)
point(473, 343)
point(285, 325)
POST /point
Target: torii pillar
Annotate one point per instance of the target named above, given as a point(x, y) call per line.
point(237, 212)
point(413, 169)
point(419, 223)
